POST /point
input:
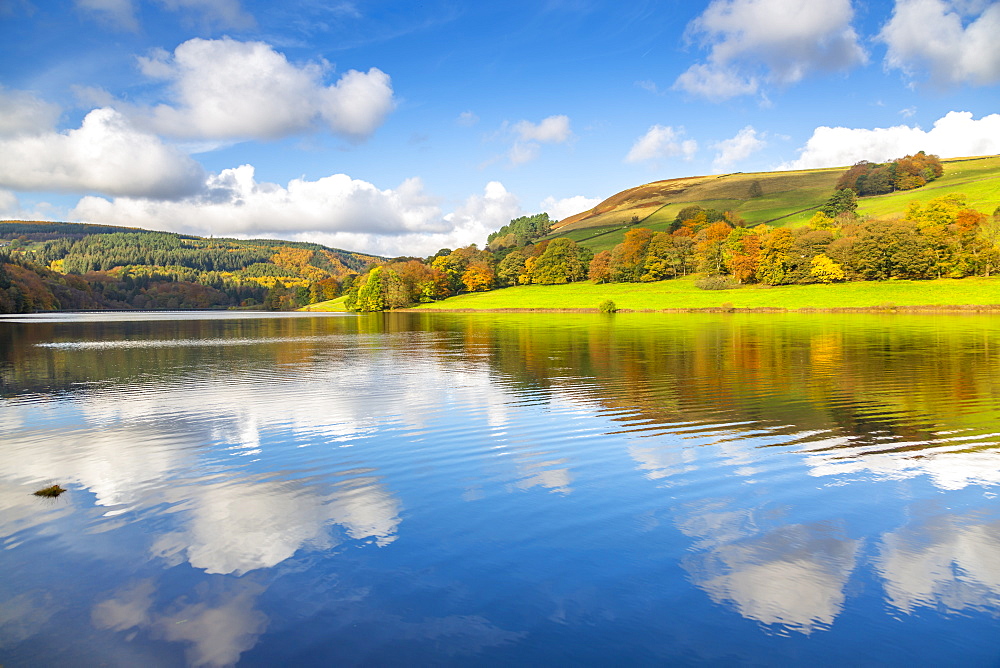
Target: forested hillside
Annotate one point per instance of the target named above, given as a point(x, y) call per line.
point(47, 266)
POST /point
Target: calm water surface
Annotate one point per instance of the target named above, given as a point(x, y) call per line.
point(424, 489)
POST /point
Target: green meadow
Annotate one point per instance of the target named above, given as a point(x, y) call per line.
point(329, 306)
point(682, 294)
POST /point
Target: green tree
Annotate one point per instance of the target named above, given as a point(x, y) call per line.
point(371, 293)
point(564, 261)
point(843, 201)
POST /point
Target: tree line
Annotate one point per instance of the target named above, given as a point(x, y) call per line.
point(943, 238)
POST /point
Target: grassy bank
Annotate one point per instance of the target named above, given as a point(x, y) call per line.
point(333, 305)
point(682, 294)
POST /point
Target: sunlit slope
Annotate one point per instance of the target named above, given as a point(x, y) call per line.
point(784, 198)
point(977, 178)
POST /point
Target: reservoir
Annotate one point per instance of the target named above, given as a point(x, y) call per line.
point(500, 489)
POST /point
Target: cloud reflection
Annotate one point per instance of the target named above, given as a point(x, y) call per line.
point(944, 560)
point(217, 628)
point(239, 527)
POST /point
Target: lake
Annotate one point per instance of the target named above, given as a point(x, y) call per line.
point(500, 489)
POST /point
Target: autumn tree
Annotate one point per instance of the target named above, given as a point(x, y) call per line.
point(600, 267)
point(742, 254)
point(711, 247)
point(628, 257)
point(825, 270)
point(775, 257)
point(479, 277)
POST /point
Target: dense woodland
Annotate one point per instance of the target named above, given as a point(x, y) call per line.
point(48, 266)
point(71, 266)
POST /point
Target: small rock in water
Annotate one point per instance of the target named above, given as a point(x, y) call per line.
point(53, 491)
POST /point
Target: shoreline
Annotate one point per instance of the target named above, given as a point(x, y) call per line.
point(886, 308)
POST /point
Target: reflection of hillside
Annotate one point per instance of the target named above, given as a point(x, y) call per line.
point(862, 381)
point(121, 352)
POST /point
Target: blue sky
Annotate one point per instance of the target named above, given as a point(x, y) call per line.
point(401, 127)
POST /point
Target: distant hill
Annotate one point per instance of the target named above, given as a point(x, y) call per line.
point(775, 198)
point(77, 265)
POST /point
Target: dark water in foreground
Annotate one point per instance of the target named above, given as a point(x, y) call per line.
point(416, 489)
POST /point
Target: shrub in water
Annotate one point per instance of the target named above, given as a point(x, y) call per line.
point(608, 306)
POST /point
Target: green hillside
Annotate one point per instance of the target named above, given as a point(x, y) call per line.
point(46, 265)
point(783, 198)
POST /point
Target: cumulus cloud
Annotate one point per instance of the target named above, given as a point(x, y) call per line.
point(954, 135)
point(105, 154)
point(227, 89)
point(961, 48)
point(743, 145)
point(234, 202)
point(23, 113)
point(334, 210)
point(568, 206)
point(11, 208)
point(779, 41)
point(662, 141)
point(529, 136)
point(481, 214)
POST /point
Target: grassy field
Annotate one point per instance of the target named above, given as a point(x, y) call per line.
point(790, 198)
point(682, 294)
point(327, 306)
point(979, 179)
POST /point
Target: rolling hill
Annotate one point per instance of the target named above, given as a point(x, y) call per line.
point(783, 198)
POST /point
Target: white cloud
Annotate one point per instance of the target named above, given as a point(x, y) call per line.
point(11, 208)
point(105, 154)
point(234, 202)
point(226, 89)
point(23, 113)
point(568, 206)
point(957, 50)
point(716, 83)
point(551, 130)
point(743, 145)
point(467, 119)
point(522, 152)
point(784, 40)
point(481, 214)
point(335, 210)
point(956, 134)
point(661, 141)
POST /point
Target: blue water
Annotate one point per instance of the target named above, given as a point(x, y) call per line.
point(409, 489)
